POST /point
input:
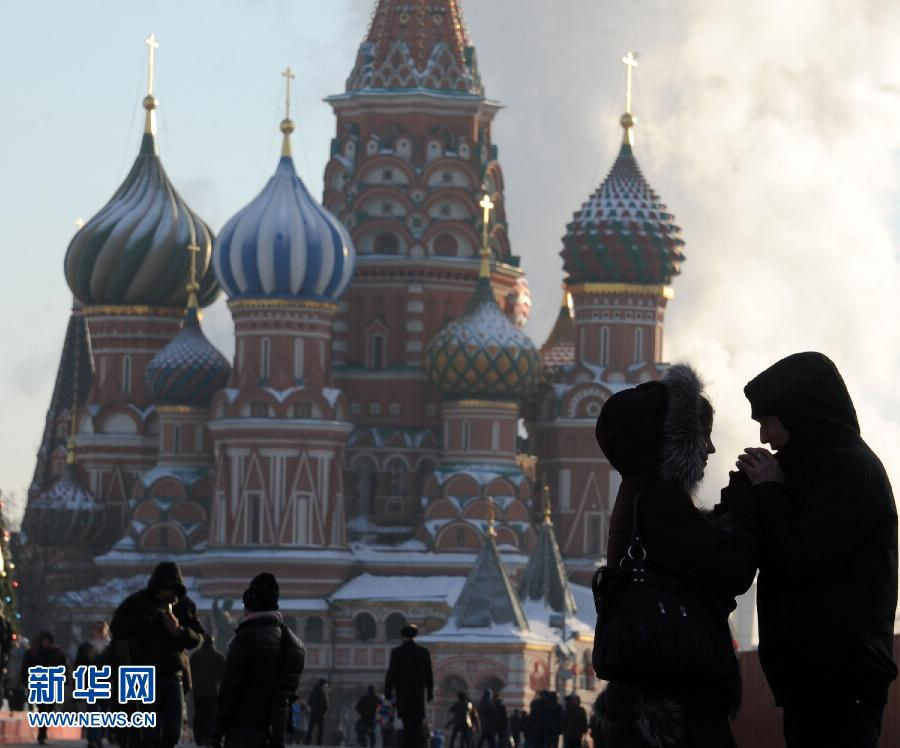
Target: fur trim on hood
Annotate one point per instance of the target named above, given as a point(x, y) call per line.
point(658, 428)
point(653, 721)
point(684, 430)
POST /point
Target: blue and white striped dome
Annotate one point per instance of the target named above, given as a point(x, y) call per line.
point(284, 245)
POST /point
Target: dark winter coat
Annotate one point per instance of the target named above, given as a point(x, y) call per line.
point(367, 706)
point(138, 621)
point(207, 671)
point(655, 436)
point(318, 699)
point(575, 721)
point(464, 715)
point(410, 674)
point(501, 718)
point(486, 712)
point(38, 656)
point(827, 589)
point(262, 675)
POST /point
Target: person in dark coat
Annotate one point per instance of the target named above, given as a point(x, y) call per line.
point(156, 626)
point(534, 734)
point(464, 719)
point(574, 722)
point(44, 653)
point(515, 727)
point(367, 708)
point(262, 673)
point(207, 671)
point(827, 588)
point(500, 728)
point(486, 719)
point(91, 653)
point(658, 436)
point(318, 706)
point(409, 674)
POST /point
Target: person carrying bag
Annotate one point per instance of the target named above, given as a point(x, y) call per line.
point(662, 638)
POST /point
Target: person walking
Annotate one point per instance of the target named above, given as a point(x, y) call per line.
point(464, 719)
point(410, 676)
point(486, 719)
point(574, 722)
point(515, 727)
point(91, 653)
point(658, 437)
point(827, 588)
point(262, 673)
point(367, 707)
point(155, 627)
point(318, 706)
point(500, 727)
point(44, 653)
point(207, 671)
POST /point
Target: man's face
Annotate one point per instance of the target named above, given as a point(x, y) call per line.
point(773, 432)
point(167, 594)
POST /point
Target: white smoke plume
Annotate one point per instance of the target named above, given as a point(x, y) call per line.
point(771, 130)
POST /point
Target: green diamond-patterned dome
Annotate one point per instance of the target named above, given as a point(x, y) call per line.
point(481, 354)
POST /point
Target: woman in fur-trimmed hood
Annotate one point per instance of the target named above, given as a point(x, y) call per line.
point(658, 435)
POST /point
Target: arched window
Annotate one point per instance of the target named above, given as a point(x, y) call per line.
point(126, 373)
point(265, 358)
point(314, 630)
point(445, 245)
point(638, 345)
point(386, 243)
point(392, 625)
point(604, 346)
point(366, 486)
point(452, 685)
point(364, 627)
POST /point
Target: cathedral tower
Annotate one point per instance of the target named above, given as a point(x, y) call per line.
point(620, 253)
point(409, 164)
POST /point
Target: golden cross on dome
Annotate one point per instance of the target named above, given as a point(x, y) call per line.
point(628, 119)
point(288, 77)
point(490, 517)
point(487, 205)
point(193, 286)
point(152, 46)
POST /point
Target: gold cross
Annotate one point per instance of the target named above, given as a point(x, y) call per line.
point(488, 206)
point(152, 45)
point(288, 77)
point(193, 286)
point(547, 508)
point(631, 62)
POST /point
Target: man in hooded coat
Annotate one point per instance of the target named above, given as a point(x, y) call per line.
point(156, 626)
point(827, 589)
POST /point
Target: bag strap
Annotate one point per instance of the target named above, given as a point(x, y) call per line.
point(636, 551)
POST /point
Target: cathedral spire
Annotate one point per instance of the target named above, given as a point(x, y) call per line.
point(287, 124)
point(628, 120)
point(150, 102)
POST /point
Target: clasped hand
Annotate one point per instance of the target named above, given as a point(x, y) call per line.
point(760, 466)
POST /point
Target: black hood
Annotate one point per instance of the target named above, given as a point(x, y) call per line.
point(167, 574)
point(657, 429)
point(807, 394)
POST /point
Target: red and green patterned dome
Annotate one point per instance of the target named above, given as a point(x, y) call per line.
point(623, 234)
point(481, 354)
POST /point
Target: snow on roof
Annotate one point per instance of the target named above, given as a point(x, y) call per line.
point(406, 588)
point(496, 633)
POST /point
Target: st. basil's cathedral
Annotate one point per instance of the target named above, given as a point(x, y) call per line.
point(366, 444)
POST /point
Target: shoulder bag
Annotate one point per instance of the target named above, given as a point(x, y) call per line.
point(653, 626)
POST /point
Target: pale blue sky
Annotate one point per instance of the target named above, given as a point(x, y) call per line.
point(779, 168)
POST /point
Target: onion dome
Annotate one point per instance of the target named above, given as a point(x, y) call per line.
point(189, 370)
point(559, 348)
point(66, 513)
point(623, 234)
point(133, 250)
point(481, 354)
point(284, 244)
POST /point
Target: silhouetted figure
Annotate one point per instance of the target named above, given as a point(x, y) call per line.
point(318, 706)
point(207, 671)
point(464, 720)
point(44, 653)
point(827, 588)
point(262, 673)
point(91, 653)
point(500, 726)
point(575, 722)
point(515, 727)
point(486, 719)
point(410, 675)
point(367, 708)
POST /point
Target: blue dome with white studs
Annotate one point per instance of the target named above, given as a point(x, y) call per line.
point(284, 245)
